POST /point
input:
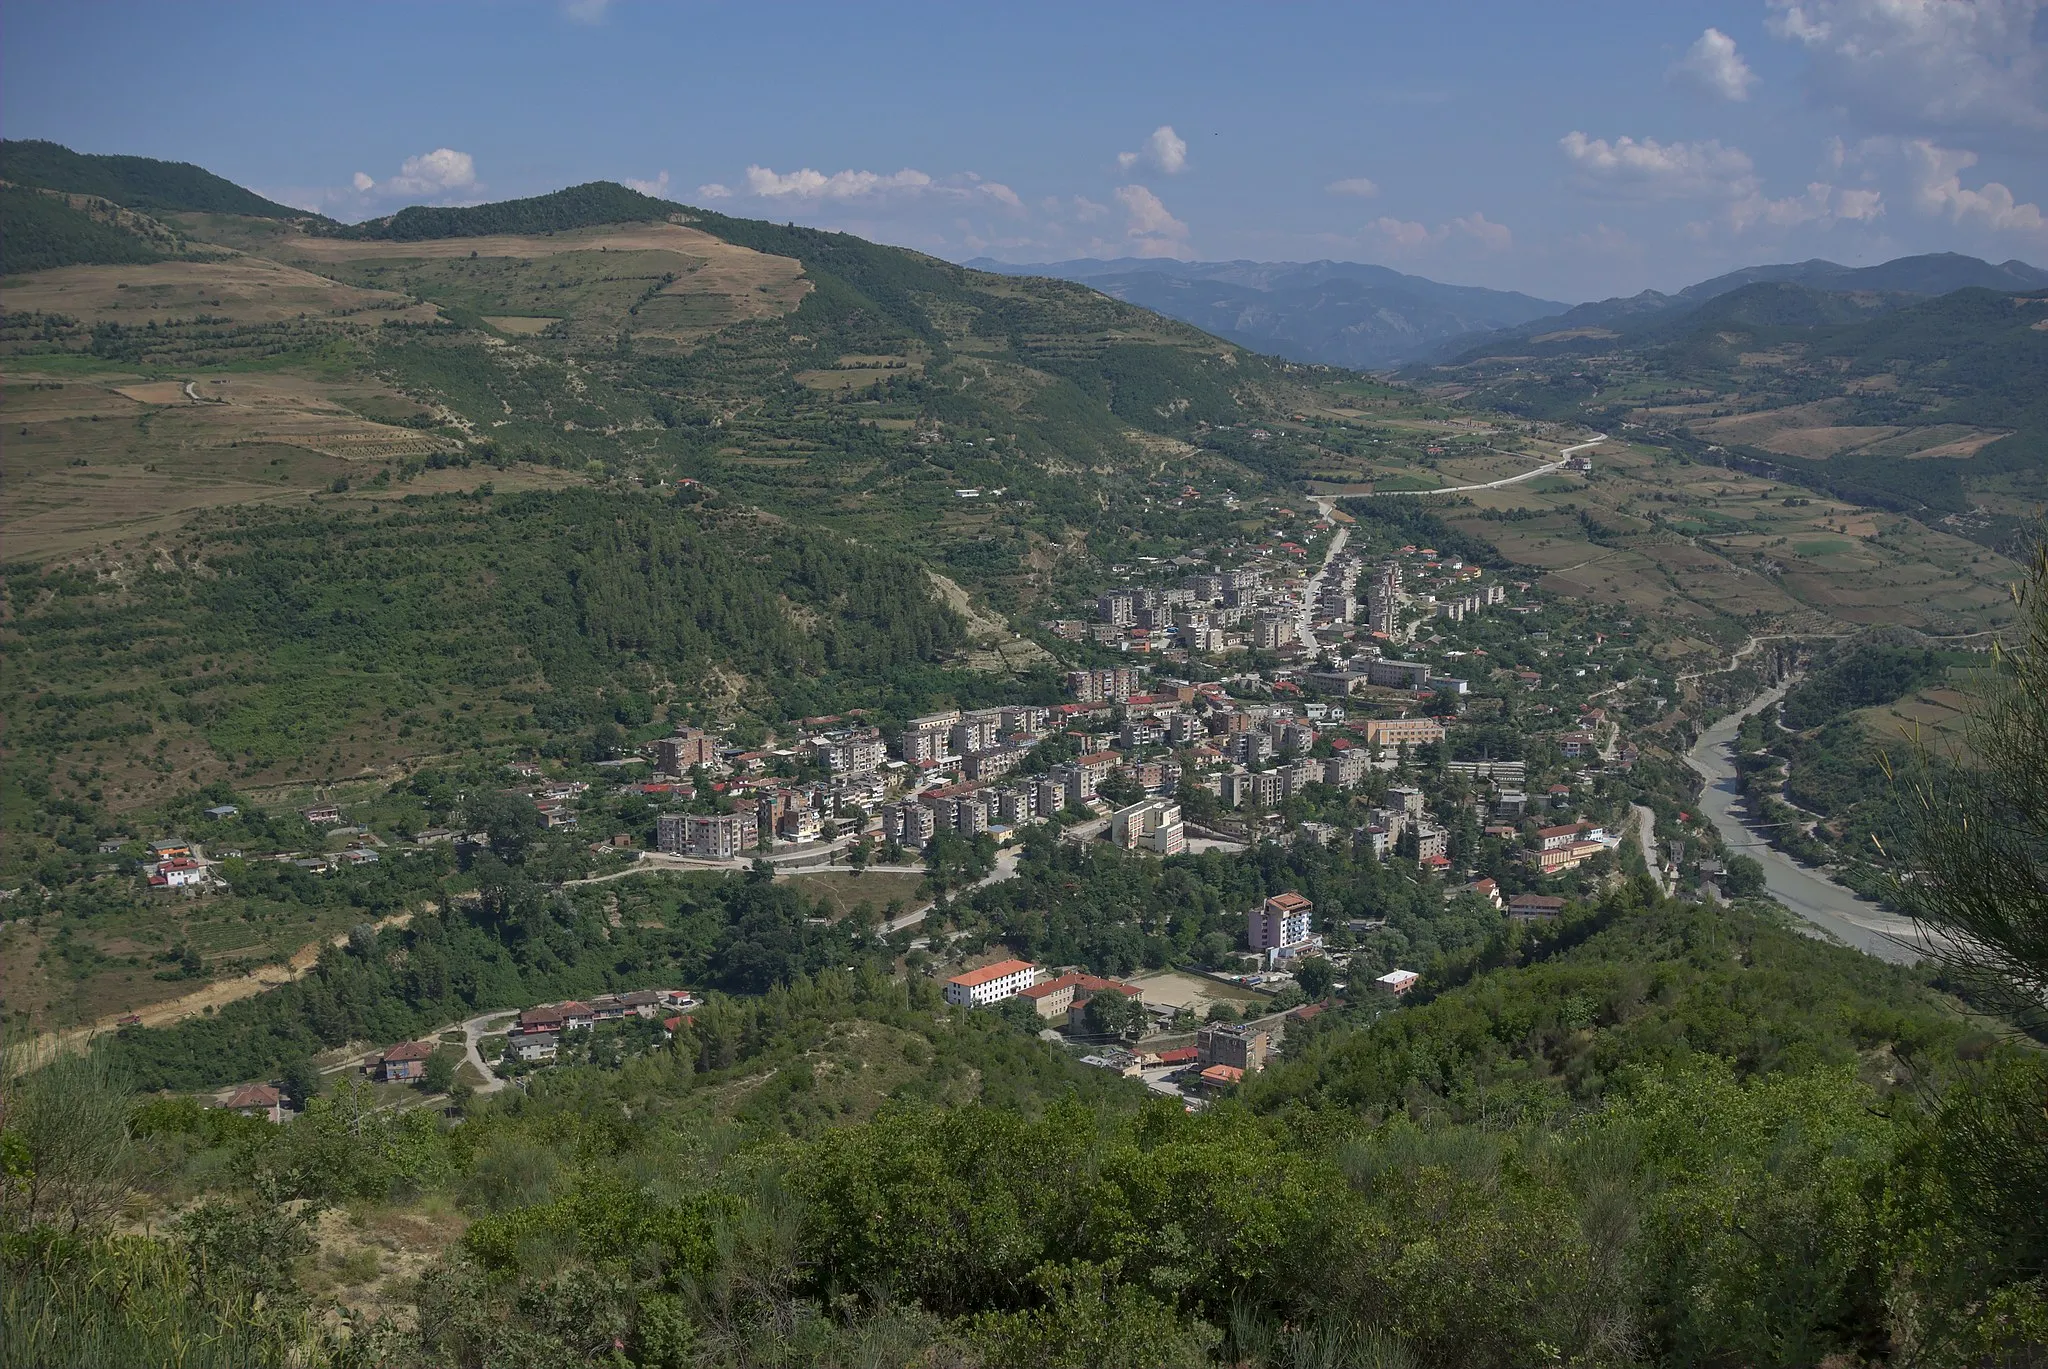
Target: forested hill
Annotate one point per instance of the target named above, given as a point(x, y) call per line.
point(143, 183)
point(577, 206)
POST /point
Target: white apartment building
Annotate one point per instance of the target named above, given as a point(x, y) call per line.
point(991, 983)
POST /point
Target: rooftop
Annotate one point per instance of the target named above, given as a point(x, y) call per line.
point(988, 973)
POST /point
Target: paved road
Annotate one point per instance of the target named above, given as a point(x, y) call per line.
point(1530, 474)
point(1813, 897)
point(1646, 833)
point(1303, 627)
point(472, 1031)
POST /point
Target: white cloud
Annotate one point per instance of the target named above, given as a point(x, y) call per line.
point(1713, 66)
point(1164, 151)
point(1151, 227)
point(1401, 235)
point(809, 186)
point(1495, 237)
point(1755, 209)
point(1908, 66)
point(587, 11)
point(656, 187)
point(1938, 189)
point(1354, 185)
point(440, 172)
point(1859, 206)
point(364, 183)
point(1627, 169)
point(1405, 235)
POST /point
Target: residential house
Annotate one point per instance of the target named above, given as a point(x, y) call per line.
point(1535, 907)
point(320, 813)
point(1398, 981)
point(257, 1100)
point(535, 1046)
point(404, 1062)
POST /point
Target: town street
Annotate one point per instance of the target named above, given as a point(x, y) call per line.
point(1813, 897)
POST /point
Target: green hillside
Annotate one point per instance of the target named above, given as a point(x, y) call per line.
point(38, 232)
point(577, 206)
point(143, 183)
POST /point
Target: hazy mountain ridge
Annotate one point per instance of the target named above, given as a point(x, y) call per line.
point(1900, 280)
point(1335, 313)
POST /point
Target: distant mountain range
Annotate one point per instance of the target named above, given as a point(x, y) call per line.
point(1336, 313)
point(1372, 318)
point(1850, 291)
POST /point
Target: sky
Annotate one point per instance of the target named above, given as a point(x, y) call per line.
point(1573, 151)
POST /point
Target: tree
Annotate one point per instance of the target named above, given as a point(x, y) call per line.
point(1316, 977)
point(1745, 877)
point(1980, 826)
point(65, 1141)
point(510, 821)
point(301, 1082)
point(440, 1074)
point(1114, 1013)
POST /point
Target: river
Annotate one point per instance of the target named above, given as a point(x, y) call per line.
point(1818, 900)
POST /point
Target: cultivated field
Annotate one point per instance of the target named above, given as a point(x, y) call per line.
point(240, 290)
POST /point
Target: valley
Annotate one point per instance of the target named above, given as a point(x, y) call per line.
point(585, 779)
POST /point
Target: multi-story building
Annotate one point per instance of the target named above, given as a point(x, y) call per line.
point(991, 983)
point(1153, 825)
point(1185, 729)
point(975, 732)
point(1029, 719)
point(1138, 733)
point(712, 836)
point(1119, 609)
point(1112, 684)
point(1281, 921)
point(1394, 733)
point(851, 755)
point(1397, 674)
point(1239, 1045)
point(688, 748)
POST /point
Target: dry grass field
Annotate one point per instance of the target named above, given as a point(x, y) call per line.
point(93, 458)
point(242, 289)
point(599, 279)
point(1690, 542)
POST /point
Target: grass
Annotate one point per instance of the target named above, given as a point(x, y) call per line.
point(842, 891)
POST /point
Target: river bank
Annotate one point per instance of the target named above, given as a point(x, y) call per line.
point(1815, 899)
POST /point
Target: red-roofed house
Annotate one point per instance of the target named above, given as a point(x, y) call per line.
point(257, 1100)
point(1071, 992)
point(407, 1060)
point(991, 983)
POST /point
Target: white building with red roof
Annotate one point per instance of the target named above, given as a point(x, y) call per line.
point(991, 983)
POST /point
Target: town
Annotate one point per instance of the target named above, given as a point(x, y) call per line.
point(1403, 703)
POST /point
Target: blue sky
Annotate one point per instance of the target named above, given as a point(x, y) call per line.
point(1573, 151)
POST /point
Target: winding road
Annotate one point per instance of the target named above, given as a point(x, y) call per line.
point(1819, 901)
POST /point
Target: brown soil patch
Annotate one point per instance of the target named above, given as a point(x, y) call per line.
point(522, 325)
point(156, 392)
point(243, 289)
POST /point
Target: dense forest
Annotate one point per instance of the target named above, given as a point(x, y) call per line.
point(39, 232)
point(577, 206)
point(1678, 1135)
point(144, 183)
